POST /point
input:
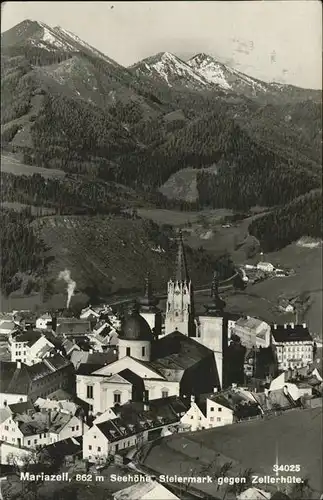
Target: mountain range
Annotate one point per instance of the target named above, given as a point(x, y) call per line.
point(130, 131)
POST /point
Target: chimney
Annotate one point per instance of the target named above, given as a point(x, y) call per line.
point(285, 326)
point(292, 325)
point(90, 351)
point(304, 325)
point(146, 407)
point(275, 326)
point(192, 399)
point(18, 365)
point(215, 389)
point(234, 386)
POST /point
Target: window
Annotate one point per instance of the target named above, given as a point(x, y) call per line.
point(99, 448)
point(39, 436)
point(128, 351)
point(90, 447)
point(73, 429)
point(89, 391)
point(211, 419)
point(164, 394)
point(143, 351)
point(90, 407)
point(28, 442)
point(6, 427)
point(219, 409)
point(212, 408)
point(77, 428)
point(192, 417)
point(35, 441)
point(117, 397)
point(218, 419)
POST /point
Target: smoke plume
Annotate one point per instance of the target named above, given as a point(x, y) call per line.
point(71, 285)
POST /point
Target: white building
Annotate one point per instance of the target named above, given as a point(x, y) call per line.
point(296, 389)
point(134, 424)
point(293, 344)
point(252, 332)
point(44, 322)
point(141, 374)
point(218, 409)
point(29, 347)
point(266, 267)
point(41, 428)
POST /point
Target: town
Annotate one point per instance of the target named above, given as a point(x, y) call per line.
point(80, 395)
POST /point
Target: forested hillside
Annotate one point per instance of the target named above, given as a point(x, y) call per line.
point(119, 135)
point(300, 217)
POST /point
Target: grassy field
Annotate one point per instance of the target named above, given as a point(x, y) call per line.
point(295, 436)
point(11, 164)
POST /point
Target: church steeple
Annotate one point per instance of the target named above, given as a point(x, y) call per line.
point(181, 265)
point(180, 307)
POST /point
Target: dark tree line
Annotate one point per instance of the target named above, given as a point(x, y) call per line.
point(301, 217)
point(67, 196)
point(21, 249)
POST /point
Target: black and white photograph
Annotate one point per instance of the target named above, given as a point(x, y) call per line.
point(161, 250)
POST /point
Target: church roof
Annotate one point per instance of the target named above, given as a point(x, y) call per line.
point(136, 327)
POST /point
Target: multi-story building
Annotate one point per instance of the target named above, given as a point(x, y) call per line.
point(20, 382)
point(30, 347)
point(252, 332)
point(293, 344)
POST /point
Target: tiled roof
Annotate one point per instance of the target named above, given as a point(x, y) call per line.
point(21, 408)
point(29, 336)
point(250, 323)
point(57, 362)
point(14, 380)
point(72, 326)
point(177, 352)
point(288, 333)
point(133, 418)
point(79, 358)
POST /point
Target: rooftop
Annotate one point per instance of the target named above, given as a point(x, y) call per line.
point(291, 333)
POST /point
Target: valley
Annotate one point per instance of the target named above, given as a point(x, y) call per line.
point(193, 144)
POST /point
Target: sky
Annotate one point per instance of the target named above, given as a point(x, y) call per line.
point(273, 40)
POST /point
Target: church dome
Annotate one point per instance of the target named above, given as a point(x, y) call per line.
point(136, 327)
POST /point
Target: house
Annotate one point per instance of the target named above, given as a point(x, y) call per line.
point(147, 368)
point(273, 400)
point(90, 313)
point(252, 332)
point(20, 382)
point(30, 347)
point(65, 451)
point(44, 322)
point(294, 345)
point(151, 490)
point(45, 427)
point(266, 267)
point(220, 408)
point(296, 387)
point(254, 494)
point(103, 336)
point(135, 424)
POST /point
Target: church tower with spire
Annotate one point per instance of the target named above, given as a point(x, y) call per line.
point(180, 305)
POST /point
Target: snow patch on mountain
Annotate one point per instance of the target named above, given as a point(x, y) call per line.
point(222, 75)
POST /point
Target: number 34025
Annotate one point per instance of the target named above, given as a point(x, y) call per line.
point(286, 468)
